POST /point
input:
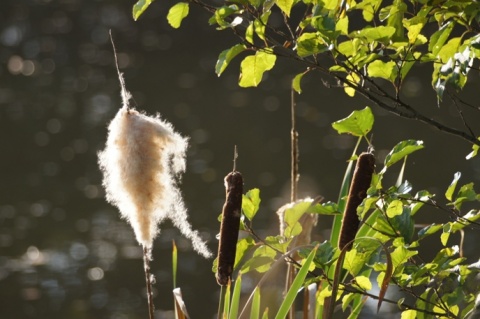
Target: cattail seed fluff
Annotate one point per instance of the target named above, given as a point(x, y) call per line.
point(229, 227)
point(141, 162)
point(362, 177)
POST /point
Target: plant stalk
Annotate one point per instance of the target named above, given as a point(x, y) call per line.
point(146, 265)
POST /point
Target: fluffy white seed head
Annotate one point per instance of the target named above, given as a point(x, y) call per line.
point(141, 161)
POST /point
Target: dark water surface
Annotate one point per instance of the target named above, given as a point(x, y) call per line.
point(64, 251)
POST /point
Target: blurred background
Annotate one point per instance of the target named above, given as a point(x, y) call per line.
point(64, 251)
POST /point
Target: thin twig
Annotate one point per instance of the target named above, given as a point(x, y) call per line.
point(295, 156)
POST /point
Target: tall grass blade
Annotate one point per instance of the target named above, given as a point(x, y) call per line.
point(356, 311)
point(255, 310)
point(329, 306)
point(226, 301)
point(337, 221)
point(295, 287)
point(174, 263)
point(235, 298)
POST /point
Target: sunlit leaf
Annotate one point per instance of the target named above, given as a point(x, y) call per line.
point(409, 314)
point(363, 283)
point(401, 255)
point(474, 151)
point(438, 39)
point(177, 13)
point(253, 67)
point(358, 123)
point(448, 50)
point(385, 70)
point(296, 211)
point(250, 203)
point(327, 208)
point(226, 56)
point(296, 82)
point(353, 78)
point(401, 150)
point(395, 208)
point(414, 27)
point(243, 245)
point(249, 33)
point(342, 25)
point(285, 6)
point(429, 230)
point(453, 184)
point(381, 34)
point(140, 7)
point(310, 43)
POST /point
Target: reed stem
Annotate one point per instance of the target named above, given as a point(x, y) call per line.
point(146, 264)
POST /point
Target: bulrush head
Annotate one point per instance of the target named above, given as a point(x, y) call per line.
point(141, 162)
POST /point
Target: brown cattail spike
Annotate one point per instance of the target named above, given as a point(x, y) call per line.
point(229, 227)
point(362, 177)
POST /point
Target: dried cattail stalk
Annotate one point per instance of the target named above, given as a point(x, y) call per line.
point(229, 227)
point(141, 161)
point(362, 177)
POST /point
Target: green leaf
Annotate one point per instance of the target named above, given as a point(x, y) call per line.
point(226, 56)
point(260, 24)
point(401, 150)
point(296, 82)
point(349, 88)
point(327, 208)
point(385, 70)
point(140, 7)
point(438, 39)
point(474, 151)
point(253, 67)
point(259, 263)
point(285, 6)
point(465, 193)
point(296, 211)
point(311, 43)
point(342, 25)
point(401, 255)
point(395, 208)
point(249, 33)
point(243, 245)
point(429, 230)
point(381, 34)
point(363, 283)
point(404, 224)
point(358, 123)
point(453, 184)
point(409, 314)
point(177, 13)
point(414, 27)
point(448, 50)
point(250, 203)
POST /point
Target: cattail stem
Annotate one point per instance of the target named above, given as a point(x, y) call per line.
point(362, 178)
point(146, 264)
point(229, 227)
